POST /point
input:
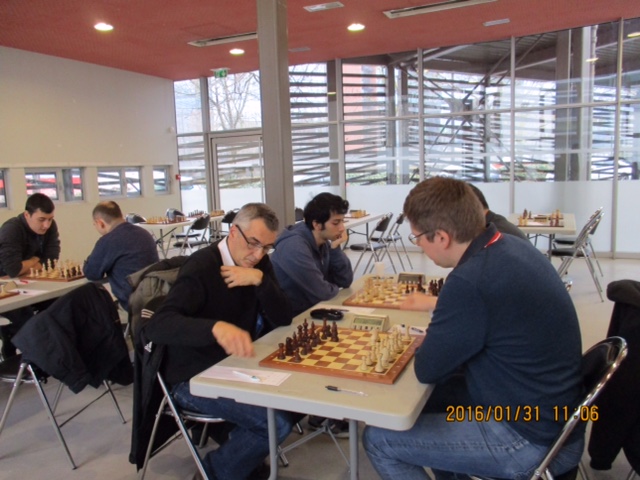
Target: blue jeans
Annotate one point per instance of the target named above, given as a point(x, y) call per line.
point(248, 443)
point(490, 448)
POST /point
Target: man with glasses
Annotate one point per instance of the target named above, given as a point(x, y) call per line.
point(311, 265)
point(503, 349)
point(226, 295)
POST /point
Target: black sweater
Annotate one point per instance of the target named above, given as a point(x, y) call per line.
point(200, 298)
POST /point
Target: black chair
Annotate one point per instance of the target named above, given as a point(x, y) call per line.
point(15, 370)
point(195, 236)
point(580, 249)
point(135, 218)
point(299, 214)
point(393, 237)
point(599, 363)
point(378, 249)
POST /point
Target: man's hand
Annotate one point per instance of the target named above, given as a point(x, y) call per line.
point(420, 302)
point(27, 265)
point(343, 238)
point(241, 276)
point(234, 340)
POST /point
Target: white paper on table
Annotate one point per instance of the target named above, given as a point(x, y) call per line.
point(345, 308)
point(266, 377)
point(31, 291)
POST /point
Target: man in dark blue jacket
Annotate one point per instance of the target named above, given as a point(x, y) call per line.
point(506, 327)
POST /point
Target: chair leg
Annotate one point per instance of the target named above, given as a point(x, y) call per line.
point(114, 400)
point(147, 456)
point(56, 398)
point(593, 273)
point(583, 471)
point(592, 252)
point(404, 249)
point(359, 259)
point(12, 395)
point(45, 402)
point(395, 247)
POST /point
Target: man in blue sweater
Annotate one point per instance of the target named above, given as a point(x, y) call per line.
point(503, 349)
point(123, 249)
point(308, 260)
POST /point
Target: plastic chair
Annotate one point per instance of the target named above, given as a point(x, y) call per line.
point(195, 236)
point(599, 363)
point(173, 213)
point(393, 237)
point(375, 246)
point(15, 370)
point(580, 249)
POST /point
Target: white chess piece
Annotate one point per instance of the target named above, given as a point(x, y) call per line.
point(363, 364)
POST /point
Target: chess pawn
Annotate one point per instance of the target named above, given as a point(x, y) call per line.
point(385, 358)
point(407, 336)
point(374, 337)
point(379, 368)
point(370, 360)
point(363, 364)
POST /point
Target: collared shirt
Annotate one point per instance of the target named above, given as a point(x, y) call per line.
point(227, 260)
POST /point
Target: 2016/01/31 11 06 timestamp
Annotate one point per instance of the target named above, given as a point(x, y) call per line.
point(584, 413)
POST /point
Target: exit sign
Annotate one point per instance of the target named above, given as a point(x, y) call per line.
point(220, 72)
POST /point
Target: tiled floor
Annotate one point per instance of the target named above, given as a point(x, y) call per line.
point(100, 444)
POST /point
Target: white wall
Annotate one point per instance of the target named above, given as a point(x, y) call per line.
point(61, 113)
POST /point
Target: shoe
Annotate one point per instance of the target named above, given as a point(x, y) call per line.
point(6, 334)
point(261, 472)
point(339, 428)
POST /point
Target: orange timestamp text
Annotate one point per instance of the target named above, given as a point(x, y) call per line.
point(497, 413)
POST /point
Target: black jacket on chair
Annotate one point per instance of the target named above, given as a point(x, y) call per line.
point(618, 425)
point(78, 340)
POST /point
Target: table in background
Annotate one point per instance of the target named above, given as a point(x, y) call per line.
point(395, 407)
point(351, 223)
point(162, 237)
point(215, 228)
point(568, 228)
point(37, 291)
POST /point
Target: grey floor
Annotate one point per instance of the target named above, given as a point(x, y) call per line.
point(99, 442)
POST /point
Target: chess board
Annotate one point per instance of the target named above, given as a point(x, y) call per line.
point(8, 289)
point(67, 272)
point(386, 292)
point(343, 359)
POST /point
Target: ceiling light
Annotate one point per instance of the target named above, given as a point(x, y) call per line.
point(434, 7)
point(236, 51)
point(591, 60)
point(208, 42)
point(103, 27)
point(323, 6)
point(355, 27)
point(491, 23)
point(633, 35)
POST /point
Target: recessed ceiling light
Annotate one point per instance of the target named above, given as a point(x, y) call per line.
point(103, 27)
point(236, 51)
point(491, 23)
point(591, 60)
point(355, 27)
point(633, 35)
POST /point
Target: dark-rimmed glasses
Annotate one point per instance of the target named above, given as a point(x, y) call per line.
point(255, 245)
point(413, 238)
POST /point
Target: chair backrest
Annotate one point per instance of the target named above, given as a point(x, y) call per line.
point(134, 218)
point(229, 216)
point(382, 226)
point(299, 214)
point(201, 223)
point(588, 228)
point(599, 363)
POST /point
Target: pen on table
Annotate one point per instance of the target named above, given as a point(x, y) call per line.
point(248, 376)
point(344, 390)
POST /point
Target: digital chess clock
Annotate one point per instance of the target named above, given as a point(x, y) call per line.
point(370, 322)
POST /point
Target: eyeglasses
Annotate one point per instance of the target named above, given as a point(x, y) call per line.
point(254, 245)
point(413, 238)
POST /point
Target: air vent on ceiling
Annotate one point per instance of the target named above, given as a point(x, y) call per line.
point(208, 42)
point(433, 7)
point(323, 6)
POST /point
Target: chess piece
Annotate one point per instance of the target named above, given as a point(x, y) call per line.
point(281, 355)
point(334, 333)
point(288, 348)
point(370, 360)
point(296, 356)
point(379, 368)
point(363, 364)
point(407, 335)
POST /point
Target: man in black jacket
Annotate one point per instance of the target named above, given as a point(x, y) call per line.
point(225, 296)
point(27, 241)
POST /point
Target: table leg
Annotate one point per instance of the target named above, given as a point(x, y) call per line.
point(353, 448)
point(552, 236)
point(273, 443)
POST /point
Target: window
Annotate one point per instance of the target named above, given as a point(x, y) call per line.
point(115, 182)
point(53, 181)
point(3, 189)
point(161, 179)
point(42, 181)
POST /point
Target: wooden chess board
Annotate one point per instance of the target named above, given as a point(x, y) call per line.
point(8, 294)
point(8, 289)
point(68, 272)
point(386, 292)
point(343, 359)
